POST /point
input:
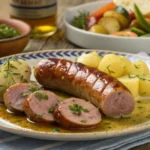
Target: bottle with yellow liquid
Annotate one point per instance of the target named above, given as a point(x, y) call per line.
point(39, 14)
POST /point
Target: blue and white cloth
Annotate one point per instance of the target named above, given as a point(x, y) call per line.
point(13, 142)
point(10, 141)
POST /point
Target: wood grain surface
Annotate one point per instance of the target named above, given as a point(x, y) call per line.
point(58, 41)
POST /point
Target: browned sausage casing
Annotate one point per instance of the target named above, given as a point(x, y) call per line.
point(103, 90)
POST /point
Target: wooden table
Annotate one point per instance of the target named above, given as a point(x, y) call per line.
point(58, 41)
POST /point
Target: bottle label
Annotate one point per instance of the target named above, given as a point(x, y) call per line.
point(33, 8)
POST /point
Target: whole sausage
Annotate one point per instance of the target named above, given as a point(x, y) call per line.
point(88, 83)
point(77, 113)
point(39, 106)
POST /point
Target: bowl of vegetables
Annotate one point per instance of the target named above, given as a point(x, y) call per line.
point(108, 25)
point(14, 36)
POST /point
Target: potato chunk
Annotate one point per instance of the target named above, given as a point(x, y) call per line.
point(111, 24)
point(113, 65)
point(92, 59)
point(139, 67)
point(144, 86)
point(132, 83)
point(98, 29)
point(128, 64)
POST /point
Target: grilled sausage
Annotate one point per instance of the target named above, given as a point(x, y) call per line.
point(15, 95)
point(103, 90)
point(77, 113)
point(39, 106)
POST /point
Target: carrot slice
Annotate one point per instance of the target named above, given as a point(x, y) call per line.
point(94, 17)
point(125, 33)
point(99, 13)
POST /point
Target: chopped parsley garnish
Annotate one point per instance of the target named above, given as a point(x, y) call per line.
point(76, 109)
point(18, 121)
point(41, 96)
point(132, 76)
point(137, 66)
point(51, 110)
point(15, 73)
point(40, 116)
point(55, 130)
point(110, 71)
point(24, 94)
point(33, 88)
point(83, 121)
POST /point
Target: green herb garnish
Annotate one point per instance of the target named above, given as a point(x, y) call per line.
point(76, 109)
point(18, 121)
point(40, 116)
point(8, 32)
point(137, 66)
point(33, 89)
point(41, 96)
point(83, 121)
point(110, 71)
point(80, 21)
point(51, 110)
point(24, 94)
point(55, 130)
point(132, 76)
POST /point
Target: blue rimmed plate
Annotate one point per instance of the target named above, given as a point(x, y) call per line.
point(32, 59)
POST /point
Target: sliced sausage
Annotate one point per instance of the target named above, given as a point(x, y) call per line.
point(87, 83)
point(15, 95)
point(39, 106)
point(77, 113)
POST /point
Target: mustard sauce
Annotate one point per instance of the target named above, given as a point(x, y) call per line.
point(140, 115)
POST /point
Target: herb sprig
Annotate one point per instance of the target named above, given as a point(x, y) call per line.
point(80, 21)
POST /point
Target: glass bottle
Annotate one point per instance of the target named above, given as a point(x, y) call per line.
point(39, 14)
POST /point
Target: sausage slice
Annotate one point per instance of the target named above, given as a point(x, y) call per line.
point(39, 106)
point(77, 113)
point(16, 94)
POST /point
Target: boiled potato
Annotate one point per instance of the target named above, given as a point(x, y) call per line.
point(132, 83)
point(110, 24)
point(5, 81)
point(20, 70)
point(92, 59)
point(13, 71)
point(113, 65)
point(144, 86)
point(98, 29)
point(128, 64)
point(121, 19)
point(139, 67)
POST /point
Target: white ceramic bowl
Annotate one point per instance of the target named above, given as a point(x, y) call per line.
point(100, 41)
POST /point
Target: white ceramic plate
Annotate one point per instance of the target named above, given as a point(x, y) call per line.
point(32, 59)
point(100, 41)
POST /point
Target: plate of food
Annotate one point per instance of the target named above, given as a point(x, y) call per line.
point(73, 95)
point(119, 23)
